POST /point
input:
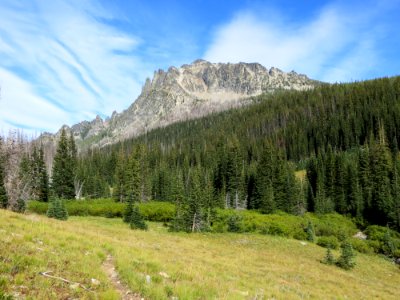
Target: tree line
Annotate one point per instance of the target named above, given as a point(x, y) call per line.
point(333, 148)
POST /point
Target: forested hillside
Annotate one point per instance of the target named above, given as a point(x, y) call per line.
point(333, 148)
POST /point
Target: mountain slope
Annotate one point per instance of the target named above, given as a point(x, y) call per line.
point(188, 92)
point(198, 266)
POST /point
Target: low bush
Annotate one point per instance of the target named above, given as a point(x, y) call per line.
point(331, 242)
point(361, 246)
point(151, 211)
point(383, 240)
point(283, 224)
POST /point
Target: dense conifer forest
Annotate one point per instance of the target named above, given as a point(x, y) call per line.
point(334, 148)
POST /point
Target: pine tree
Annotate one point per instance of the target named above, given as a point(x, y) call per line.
point(310, 232)
point(339, 197)
point(57, 209)
point(353, 193)
point(180, 221)
point(389, 247)
point(64, 168)
point(132, 186)
point(3, 192)
point(43, 178)
point(119, 192)
point(264, 189)
point(329, 259)
point(51, 210)
point(346, 260)
point(21, 205)
point(382, 202)
point(137, 220)
point(195, 203)
point(323, 204)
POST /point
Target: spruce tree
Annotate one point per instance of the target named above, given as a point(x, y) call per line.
point(329, 259)
point(353, 193)
point(43, 178)
point(382, 202)
point(57, 209)
point(51, 209)
point(119, 192)
point(132, 186)
point(346, 259)
point(64, 168)
point(310, 232)
point(180, 221)
point(137, 220)
point(264, 189)
point(196, 212)
point(3, 192)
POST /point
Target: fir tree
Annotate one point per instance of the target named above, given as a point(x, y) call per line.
point(264, 193)
point(329, 259)
point(346, 259)
point(51, 210)
point(21, 206)
point(119, 192)
point(137, 220)
point(64, 168)
point(382, 202)
point(234, 223)
point(389, 247)
point(310, 232)
point(43, 178)
point(57, 209)
point(178, 197)
point(132, 186)
point(3, 192)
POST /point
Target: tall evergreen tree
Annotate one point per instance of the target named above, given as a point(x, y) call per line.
point(264, 192)
point(64, 168)
point(3, 192)
point(382, 202)
point(119, 192)
point(40, 179)
point(132, 186)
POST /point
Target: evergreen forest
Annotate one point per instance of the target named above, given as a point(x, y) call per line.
point(330, 149)
point(334, 148)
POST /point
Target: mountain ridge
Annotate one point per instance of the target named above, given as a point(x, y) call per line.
point(190, 91)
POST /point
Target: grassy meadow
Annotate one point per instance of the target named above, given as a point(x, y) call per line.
point(186, 266)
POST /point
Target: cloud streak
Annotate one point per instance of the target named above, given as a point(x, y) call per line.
point(339, 44)
point(60, 63)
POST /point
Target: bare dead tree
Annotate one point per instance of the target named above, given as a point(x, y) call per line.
point(78, 185)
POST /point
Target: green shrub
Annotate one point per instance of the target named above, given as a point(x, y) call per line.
point(383, 240)
point(151, 211)
point(374, 245)
point(328, 242)
point(361, 246)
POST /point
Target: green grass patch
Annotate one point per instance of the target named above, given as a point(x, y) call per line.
point(198, 266)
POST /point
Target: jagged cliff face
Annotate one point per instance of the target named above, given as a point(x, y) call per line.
point(187, 92)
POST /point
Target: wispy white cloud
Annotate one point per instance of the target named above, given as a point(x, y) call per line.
point(339, 44)
point(60, 63)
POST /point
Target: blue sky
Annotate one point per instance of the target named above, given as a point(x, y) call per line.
point(62, 62)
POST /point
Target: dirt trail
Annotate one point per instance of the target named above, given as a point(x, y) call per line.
point(123, 290)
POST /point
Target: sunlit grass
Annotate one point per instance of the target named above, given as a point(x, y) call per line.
point(187, 266)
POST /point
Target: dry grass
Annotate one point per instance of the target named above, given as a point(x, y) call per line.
point(199, 266)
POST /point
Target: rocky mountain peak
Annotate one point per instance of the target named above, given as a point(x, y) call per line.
point(189, 91)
